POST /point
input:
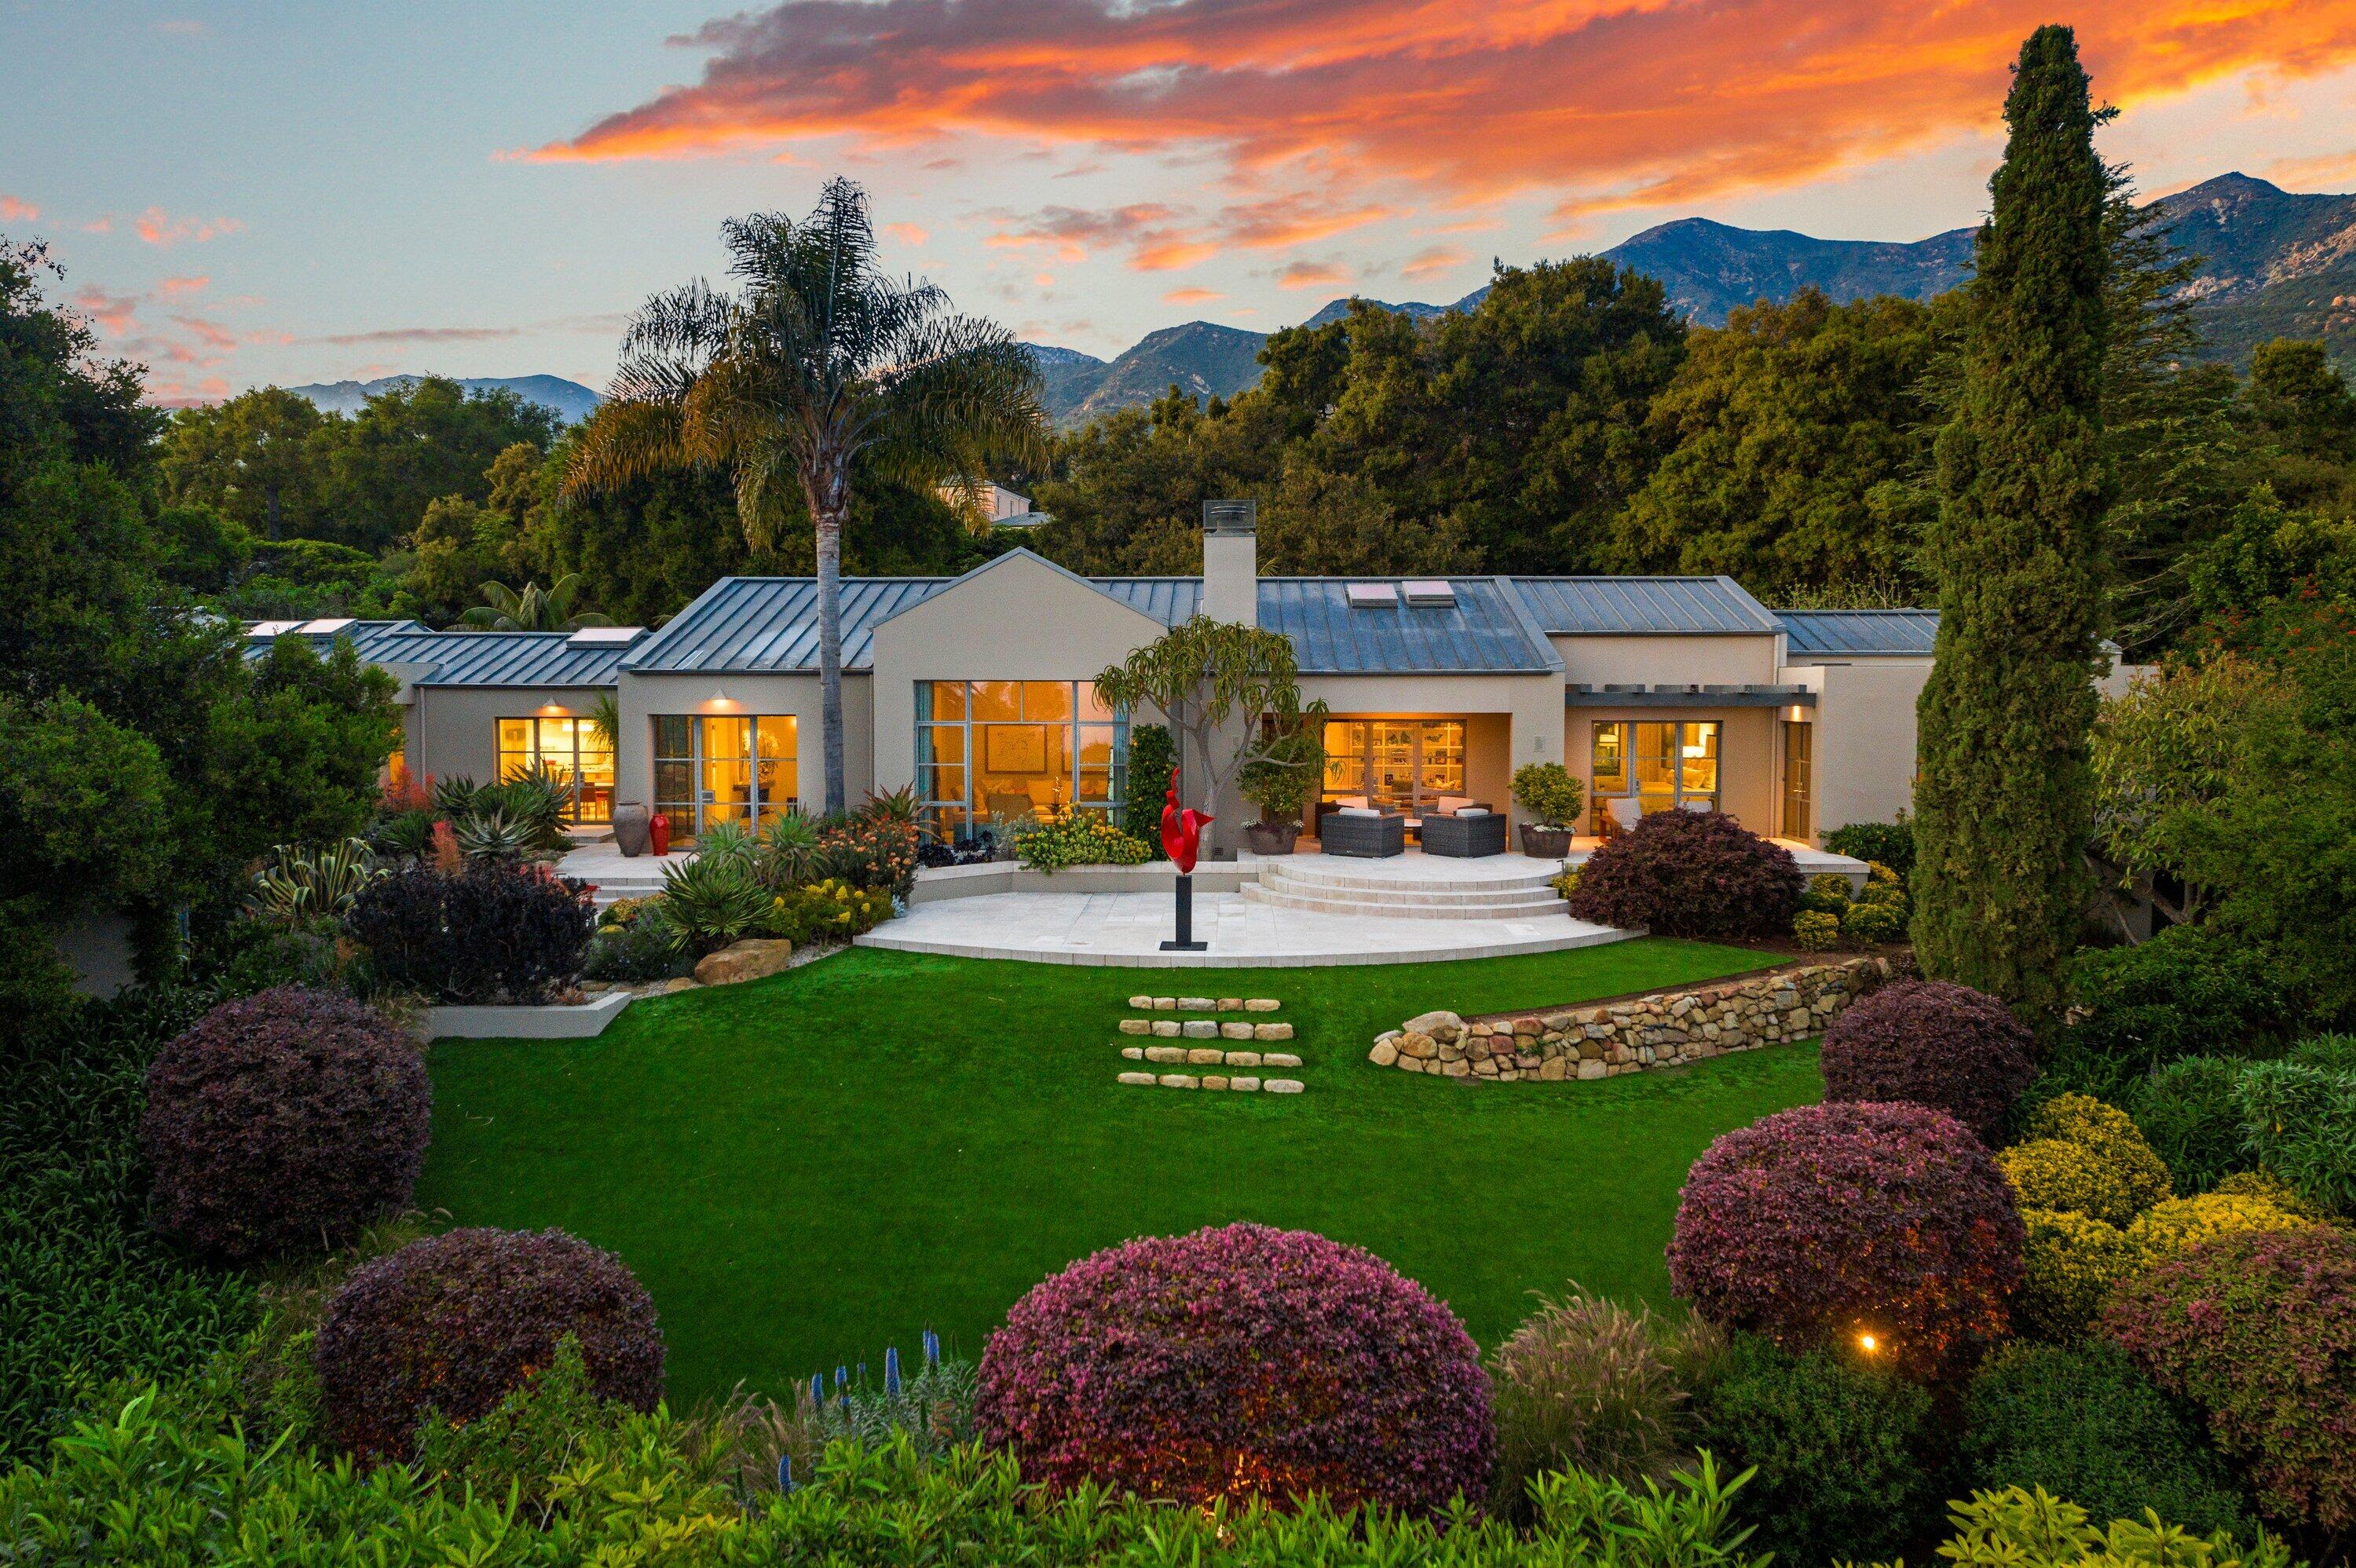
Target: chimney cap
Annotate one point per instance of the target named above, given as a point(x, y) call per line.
point(1230, 517)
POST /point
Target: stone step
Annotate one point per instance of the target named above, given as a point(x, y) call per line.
point(1522, 906)
point(1372, 875)
point(1419, 892)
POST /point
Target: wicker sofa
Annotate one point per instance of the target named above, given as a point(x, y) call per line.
point(1368, 837)
point(1464, 838)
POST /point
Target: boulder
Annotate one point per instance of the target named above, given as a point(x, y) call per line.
point(1419, 1046)
point(754, 958)
point(1260, 1004)
point(1384, 1054)
point(1432, 1022)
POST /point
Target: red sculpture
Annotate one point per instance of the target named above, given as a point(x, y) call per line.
point(1182, 833)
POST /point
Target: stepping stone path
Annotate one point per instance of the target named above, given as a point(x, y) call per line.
point(1239, 1040)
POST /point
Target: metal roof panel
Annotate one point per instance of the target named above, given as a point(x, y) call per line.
point(1642, 606)
point(1887, 632)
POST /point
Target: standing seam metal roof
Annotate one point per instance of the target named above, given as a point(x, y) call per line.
point(747, 624)
point(469, 659)
point(1642, 606)
point(1902, 632)
point(1485, 631)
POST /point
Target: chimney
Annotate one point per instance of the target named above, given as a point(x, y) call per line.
point(1231, 561)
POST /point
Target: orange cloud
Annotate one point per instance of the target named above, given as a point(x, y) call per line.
point(160, 227)
point(180, 395)
point(12, 209)
point(212, 333)
point(406, 335)
point(98, 226)
point(1312, 275)
point(1192, 297)
point(113, 312)
point(2324, 169)
point(906, 233)
point(1597, 101)
point(175, 288)
point(1432, 262)
point(1161, 239)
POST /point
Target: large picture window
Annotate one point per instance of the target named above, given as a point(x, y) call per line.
point(994, 752)
point(1404, 764)
point(1636, 769)
point(726, 768)
point(575, 750)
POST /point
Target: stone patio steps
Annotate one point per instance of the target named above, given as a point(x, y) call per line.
point(1426, 893)
point(1416, 907)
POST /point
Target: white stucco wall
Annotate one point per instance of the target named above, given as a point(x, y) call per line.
point(453, 731)
point(749, 696)
point(1510, 719)
point(1750, 754)
point(1865, 737)
point(1691, 660)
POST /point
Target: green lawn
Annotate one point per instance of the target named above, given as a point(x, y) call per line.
point(807, 1167)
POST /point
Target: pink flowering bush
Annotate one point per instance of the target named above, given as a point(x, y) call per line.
point(1934, 1043)
point(1240, 1363)
point(1819, 1226)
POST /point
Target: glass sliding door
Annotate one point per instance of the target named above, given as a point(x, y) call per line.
point(573, 751)
point(997, 751)
point(1799, 781)
point(1399, 765)
point(726, 768)
point(1638, 768)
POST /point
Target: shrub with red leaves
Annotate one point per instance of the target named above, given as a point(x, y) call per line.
point(456, 1321)
point(1240, 1363)
point(1817, 1225)
point(290, 1118)
point(1934, 1043)
point(2258, 1328)
point(1690, 873)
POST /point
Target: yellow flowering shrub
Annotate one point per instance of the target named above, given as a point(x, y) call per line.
point(2047, 1173)
point(2071, 1262)
point(2273, 1189)
point(2169, 1228)
point(1815, 931)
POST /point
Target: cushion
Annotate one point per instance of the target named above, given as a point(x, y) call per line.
point(1472, 811)
point(1357, 811)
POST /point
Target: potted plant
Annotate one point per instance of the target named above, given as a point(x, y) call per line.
point(1551, 798)
point(1279, 782)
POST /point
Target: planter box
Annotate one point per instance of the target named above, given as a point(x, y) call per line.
point(581, 1022)
point(1545, 843)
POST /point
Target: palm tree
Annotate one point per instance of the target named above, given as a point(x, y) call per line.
point(820, 361)
point(533, 609)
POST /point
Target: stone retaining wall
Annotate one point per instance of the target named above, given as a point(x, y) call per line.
point(1667, 1028)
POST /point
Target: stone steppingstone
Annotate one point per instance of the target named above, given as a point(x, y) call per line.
point(1165, 1053)
point(1244, 1085)
point(1262, 1004)
point(1205, 1056)
point(1166, 1028)
point(1284, 1086)
point(1133, 1052)
point(1270, 1032)
point(1179, 1081)
point(1231, 1004)
point(1143, 1079)
point(1213, 1082)
point(1280, 1059)
point(1197, 1004)
point(1243, 1059)
point(1137, 1026)
point(1201, 1029)
point(1242, 1030)
point(1165, 1004)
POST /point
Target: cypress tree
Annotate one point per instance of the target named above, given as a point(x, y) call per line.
point(2003, 796)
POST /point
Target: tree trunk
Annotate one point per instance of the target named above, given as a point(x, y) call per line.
point(829, 643)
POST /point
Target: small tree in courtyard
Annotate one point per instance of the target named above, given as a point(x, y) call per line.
point(1204, 676)
point(2005, 795)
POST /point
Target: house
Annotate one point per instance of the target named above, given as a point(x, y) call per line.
point(1659, 692)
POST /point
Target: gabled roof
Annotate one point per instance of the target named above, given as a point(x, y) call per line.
point(1642, 606)
point(1021, 553)
point(467, 659)
point(744, 625)
point(1485, 631)
point(1868, 631)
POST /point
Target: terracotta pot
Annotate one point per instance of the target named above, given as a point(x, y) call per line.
point(631, 832)
point(1545, 843)
point(1271, 838)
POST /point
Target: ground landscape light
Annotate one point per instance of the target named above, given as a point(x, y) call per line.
point(1868, 1343)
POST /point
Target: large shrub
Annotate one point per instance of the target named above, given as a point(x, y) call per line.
point(1889, 844)
point(2080, 1422)
point(2186, 1113)
point(494, 932)
point(2259, 1329)
point(873, 851)
point(2180, 1224)
point(2188, 991)
point(2086, 1157)
point(1690, 873)
point(288, 1119)
point(454, 1322)
point(1934, 1043)
point(2071, 1260)
point(2021, 1529)
point(1152, 757)
point(2298, 1120)
point(1240, 1361)
point(1839, 1448)
point(1819, 1224)
point(1582, 1383)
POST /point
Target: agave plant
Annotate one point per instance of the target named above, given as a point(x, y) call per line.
point(712, 900)
point(493, 835)
point(454, 796)
point(538, 796)
point(408, 835)
point(789, 851)
point(298, 885)
point(726, 840)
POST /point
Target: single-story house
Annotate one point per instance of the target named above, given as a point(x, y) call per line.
point(1658, 692)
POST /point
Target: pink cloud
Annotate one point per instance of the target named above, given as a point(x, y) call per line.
point(98, 226)
point(179, 288)
point(159, 228)
point(410, 334)
point(213, 333)
point(1434, 261)
point(115, 313)
point(174, 394)
point(1161, 238)
point(15, 209)
point(1191, 296)
point(1312, 275)
point(907, 233)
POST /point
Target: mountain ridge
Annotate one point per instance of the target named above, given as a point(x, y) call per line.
point(569, 400)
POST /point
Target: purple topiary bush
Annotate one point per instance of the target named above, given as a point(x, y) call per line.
point(290, 1118)
point(1819, 1226)
point(1690, 873)
point(1240, 1363)
point(2258, 1328)
point(456, 1321)
point(1934, 1043)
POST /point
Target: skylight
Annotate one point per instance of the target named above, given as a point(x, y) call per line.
point(329, 626)
point(1429, 593)
point(605, 636)
point(270, 628)
point(1372, 596)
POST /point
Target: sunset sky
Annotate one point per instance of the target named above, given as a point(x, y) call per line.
point(244, 193)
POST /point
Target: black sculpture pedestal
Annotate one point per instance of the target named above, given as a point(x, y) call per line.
point(1186, 942)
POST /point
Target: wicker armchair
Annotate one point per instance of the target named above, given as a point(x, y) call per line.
point(1368, 837)
point(1465, 837)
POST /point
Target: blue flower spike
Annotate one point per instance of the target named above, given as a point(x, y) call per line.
point(892, 1371)
point(786, 1473)
point(932, 1348)
point(818, 1387)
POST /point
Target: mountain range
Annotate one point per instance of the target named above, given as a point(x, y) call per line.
point(2275, 263)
